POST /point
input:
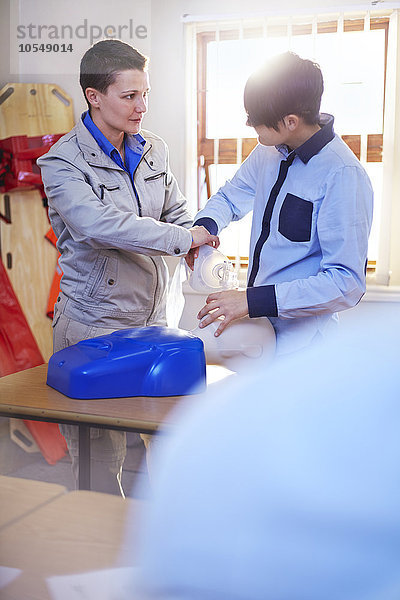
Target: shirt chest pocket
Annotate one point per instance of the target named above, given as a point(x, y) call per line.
point(295, 219)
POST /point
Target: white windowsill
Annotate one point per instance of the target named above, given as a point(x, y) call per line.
point(381, 293)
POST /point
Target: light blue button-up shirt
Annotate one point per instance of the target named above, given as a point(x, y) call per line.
point(312, 214)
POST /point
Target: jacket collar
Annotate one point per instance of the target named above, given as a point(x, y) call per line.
point(91, 150)
point(133, 142)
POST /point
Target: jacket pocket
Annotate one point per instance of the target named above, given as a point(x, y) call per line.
point(156, 176)
point(109, 188)
point(154, 191)
point(101, 279)
point(56, 315)
point(295, 219)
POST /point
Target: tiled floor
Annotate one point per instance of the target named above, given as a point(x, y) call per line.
point(16, 462)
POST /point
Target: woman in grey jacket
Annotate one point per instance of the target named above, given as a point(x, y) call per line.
point(116, 209)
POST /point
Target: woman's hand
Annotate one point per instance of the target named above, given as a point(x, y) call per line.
point(200, 237)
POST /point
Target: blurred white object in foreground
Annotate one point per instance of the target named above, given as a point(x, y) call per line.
point(284, 484)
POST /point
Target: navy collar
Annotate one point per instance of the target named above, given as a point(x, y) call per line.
point(316, 142)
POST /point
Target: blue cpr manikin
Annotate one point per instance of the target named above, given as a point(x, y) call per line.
point(145, 361)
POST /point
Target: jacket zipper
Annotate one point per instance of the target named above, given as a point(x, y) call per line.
point(140, 214)
point(133, 180)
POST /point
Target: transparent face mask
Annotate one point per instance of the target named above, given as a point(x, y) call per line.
point(212, 272)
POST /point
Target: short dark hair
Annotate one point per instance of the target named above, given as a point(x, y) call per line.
point(286, 84)
point(104, 60)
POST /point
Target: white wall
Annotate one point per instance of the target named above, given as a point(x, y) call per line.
point(63, 68)
point(5, 75)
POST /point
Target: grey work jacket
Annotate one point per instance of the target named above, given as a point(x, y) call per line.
point(112, 235)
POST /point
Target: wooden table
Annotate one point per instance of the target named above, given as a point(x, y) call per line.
point(19, 497)
point(25, 395)
point(74, 533)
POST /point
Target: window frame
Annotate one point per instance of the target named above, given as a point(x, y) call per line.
point(227, 149)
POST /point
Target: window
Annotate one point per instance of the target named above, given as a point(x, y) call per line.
point(352, 53)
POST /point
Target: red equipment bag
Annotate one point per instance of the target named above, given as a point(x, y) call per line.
point(18, 156)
